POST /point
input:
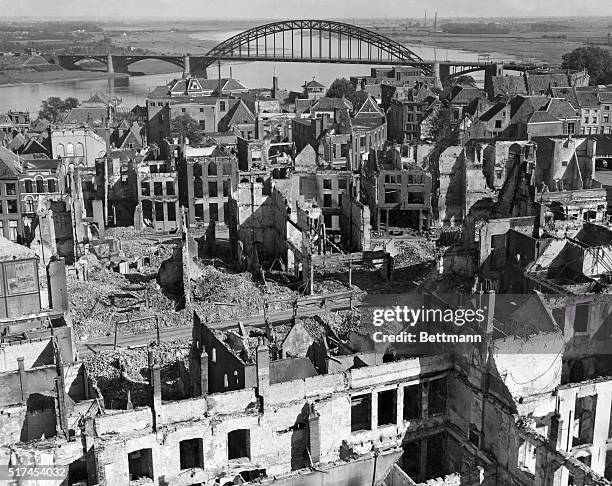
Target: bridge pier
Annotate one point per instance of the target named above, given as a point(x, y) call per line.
point(116, 64)
point(186, 66)
point(441, 72)
point(198, 66)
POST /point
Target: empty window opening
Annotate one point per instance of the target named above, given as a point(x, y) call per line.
point(412, 402)
point(140, 464)
point(199, 212)
point(239, 444)
point(361, 409)
point(159, 211)
point(392, 196)
point(213, 209)
point(584, 420)
point(416, 198)
point(147, 210)
point(191, 454)
point(581, 318)
point(437, 397)
point(170, 188)
point(145, 189)
point(212, 189)
point(171, 212)
point(157, 188)
point(77, 472)
point(436, 456)
point(387, 409)
point(410, 461)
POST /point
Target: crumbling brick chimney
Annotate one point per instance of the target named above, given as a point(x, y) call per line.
point(155, 391)
point(314, 435)
point(263, 369)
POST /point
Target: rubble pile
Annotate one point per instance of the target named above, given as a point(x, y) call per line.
point(414, 252)
point(107, 296)
point(220, 295)
point(116, 372)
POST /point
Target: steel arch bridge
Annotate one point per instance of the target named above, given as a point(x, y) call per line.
point(319, 41)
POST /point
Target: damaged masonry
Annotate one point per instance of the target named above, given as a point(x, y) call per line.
point(208, 289)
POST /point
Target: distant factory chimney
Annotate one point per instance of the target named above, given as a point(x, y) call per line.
point(425, 23)
point(436, 22)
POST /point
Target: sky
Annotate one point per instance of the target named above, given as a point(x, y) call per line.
point(272, 9)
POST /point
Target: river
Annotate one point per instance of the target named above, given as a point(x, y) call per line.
point(134, 90)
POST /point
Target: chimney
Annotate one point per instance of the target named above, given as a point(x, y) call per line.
point(155, 391)
point(275, 87)
point(263, 370)
point(314, 435)
point(203, 373)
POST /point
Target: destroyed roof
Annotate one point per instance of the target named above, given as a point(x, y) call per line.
point(593, 235)
point(12, 251)
point(215, 150)
point(605, 96)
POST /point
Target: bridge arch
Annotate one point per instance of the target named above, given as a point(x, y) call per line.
point(369, 46)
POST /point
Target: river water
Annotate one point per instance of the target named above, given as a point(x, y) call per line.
point(291, 76)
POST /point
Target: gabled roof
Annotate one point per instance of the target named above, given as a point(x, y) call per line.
point(87, 115)
point(560, 108)
point(542, 117)
point(492, 112)
point(312, 84)
point(587, 98)
point(10, 165)
point(236, 115)
point(466, 94)
point(540, 83)
point(331, 104)
point(204, 86)
point(369, 108)
point(508, 85)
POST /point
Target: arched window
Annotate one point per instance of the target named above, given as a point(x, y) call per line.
point(213, 355)
point(60, 152)
point(29, 205)
point(212, 169)
point(40, 185)
point(28, 186)
point(225, 381)
point(80, 151)
point(69, 150)
point(51, 185)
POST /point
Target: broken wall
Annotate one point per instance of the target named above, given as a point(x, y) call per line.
point(355, 225)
